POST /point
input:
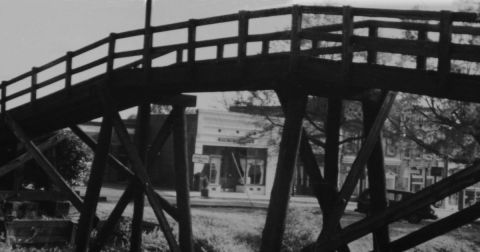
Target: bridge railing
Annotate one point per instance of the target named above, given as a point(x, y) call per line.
point(345, 38)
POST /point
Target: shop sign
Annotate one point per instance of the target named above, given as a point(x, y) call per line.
point(201, 159)
point(235, 140)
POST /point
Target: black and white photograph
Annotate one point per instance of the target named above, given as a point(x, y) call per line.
point(240, 125)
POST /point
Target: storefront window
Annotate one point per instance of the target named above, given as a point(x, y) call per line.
point(232, 166)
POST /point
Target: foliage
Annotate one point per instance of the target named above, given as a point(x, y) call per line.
point(71, 157)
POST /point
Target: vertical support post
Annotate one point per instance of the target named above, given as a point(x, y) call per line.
point(444, 49)
point(68, 70)
point(280, 195)
point(334, 115)
point(376, 174)
point(181, 180)
point(141, 140)
point(33, 92)
point(94, 185)
point(347, 47)
point(141, 133)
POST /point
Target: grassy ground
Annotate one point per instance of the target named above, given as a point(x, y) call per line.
point(237, 230)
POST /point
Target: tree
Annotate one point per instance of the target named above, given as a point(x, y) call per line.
point(70, 156)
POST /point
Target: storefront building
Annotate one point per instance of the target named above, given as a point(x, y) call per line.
point(241, 154)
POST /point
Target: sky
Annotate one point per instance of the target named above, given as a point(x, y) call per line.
point(34, 32)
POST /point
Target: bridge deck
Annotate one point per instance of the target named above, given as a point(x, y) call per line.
point(308, 63)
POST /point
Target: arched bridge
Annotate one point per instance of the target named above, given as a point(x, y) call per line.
point(350, 55)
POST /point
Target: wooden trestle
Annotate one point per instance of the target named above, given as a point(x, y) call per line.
point(294, 75)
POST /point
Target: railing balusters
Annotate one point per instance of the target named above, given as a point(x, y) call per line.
point(68, 70)
point(33, 87)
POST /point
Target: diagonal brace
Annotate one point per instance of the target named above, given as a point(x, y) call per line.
point(47, 167)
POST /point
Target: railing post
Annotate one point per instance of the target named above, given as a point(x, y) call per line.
point(265, 47)
point(111, 55)
point(33, 87)
point(242, 35)
point(444, 47)
point(68, 70)
point(192, 34)
point(372, 53)
point(220, 49)
point(295, 40)
point(147, 50)
point(422, 60)
point(4, 97)
point(347, 50)
point(180, 56)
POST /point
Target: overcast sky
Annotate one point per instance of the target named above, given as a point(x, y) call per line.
point(33, 32)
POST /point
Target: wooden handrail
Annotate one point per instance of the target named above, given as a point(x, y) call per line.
point(412, 20)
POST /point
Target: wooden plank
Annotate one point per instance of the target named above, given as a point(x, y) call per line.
point(43, 162)
point(356, 169)
point(106, 230)
point(423, 198)
point(277, 209)
point(25, 157)
point(400, 46)
point(94, 185)
point(437, 228)
point(181, 180)
point(376, 173)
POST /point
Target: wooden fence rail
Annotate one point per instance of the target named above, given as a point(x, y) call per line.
point(446, 24)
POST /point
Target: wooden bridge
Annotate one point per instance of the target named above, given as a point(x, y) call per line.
point(336, 60)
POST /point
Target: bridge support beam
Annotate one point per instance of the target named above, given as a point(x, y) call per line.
point(182, 180)
point(376, 173)
point(331, 225)
point(277, 210)
point(94, 185)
